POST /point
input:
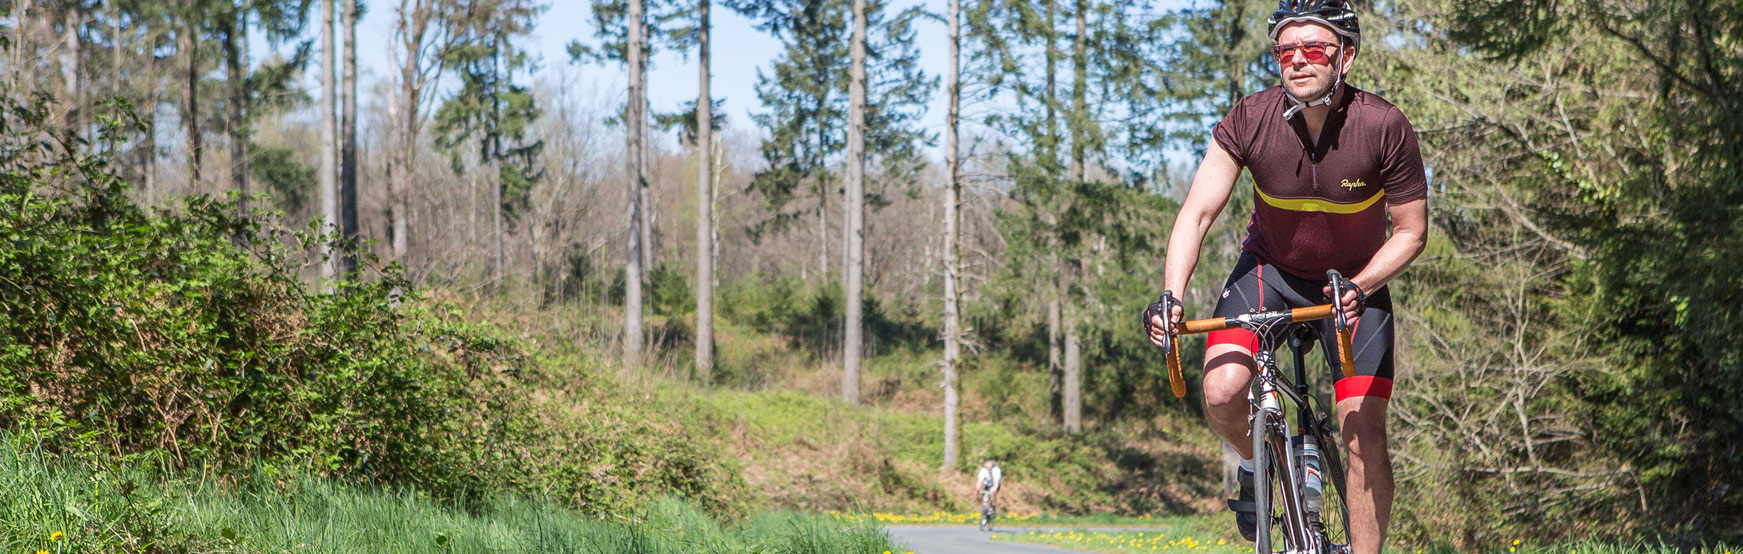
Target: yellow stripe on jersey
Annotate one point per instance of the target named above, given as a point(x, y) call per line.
point(1318, 204)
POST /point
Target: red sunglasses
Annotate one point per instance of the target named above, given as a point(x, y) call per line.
point(1312, 51)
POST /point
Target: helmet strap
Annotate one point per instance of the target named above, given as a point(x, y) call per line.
point(1298, 105)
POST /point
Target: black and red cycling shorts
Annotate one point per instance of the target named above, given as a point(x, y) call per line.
point(1258, 286)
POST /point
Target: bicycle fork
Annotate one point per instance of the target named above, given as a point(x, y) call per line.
point(1268, 396)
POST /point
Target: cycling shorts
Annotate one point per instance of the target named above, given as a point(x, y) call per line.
point(1257, 286)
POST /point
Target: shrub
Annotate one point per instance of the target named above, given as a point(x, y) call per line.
point(186, 335)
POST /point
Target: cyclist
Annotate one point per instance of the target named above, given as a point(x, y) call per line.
point(987, 482)
point(1339, 185)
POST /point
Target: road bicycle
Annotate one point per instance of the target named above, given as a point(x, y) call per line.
point(1284, 469)
point(986, 508)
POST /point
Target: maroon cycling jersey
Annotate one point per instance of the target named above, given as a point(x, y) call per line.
point(1322, 206)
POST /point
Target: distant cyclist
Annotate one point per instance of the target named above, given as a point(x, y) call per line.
point(986, 487)
point(1339, 185)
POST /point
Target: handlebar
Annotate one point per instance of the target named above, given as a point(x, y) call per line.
point(1311, 313)
point(1253, 321)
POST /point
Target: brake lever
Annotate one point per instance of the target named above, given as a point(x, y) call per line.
point(1346, 354)
point(1163, 306)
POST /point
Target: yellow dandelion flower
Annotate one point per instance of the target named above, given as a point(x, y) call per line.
point(1515, 542)
point(57, 535)
point(42, 552)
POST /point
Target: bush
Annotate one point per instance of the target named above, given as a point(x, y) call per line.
point(187, 336)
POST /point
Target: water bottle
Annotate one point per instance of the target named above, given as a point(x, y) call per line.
point(1312, 487)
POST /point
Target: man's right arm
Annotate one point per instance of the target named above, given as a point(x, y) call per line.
point(1210, 191)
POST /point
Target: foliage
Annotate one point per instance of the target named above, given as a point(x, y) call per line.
point(490, 107)
point(808, 316)
point(187, 338)
point(1580, 342)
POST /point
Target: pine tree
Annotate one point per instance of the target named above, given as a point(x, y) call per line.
point(807, 103)
point(853, 347)
point(491, 111)
point(952, 195)
point(704, 122)
point(624, 29)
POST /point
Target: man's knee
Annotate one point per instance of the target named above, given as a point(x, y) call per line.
point(1363, 420)
point(1228, 374)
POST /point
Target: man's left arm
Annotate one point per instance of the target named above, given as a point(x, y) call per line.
point(1409, 236)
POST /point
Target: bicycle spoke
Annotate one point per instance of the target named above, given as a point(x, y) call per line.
point(1335, 516)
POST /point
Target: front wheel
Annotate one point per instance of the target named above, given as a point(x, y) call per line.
point(1263, 478)
point(986, 512)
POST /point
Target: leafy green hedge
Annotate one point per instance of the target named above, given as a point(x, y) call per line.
point(187, 336)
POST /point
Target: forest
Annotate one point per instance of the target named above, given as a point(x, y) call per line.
point(231, 253)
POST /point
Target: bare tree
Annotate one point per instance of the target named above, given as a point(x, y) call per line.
point(953, 164)
point(634, 118)
point(704, 200)
point(187, 45)
point(853, 343)
point(419, 56)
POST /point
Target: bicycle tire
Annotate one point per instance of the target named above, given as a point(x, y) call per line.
point(1335, 513)
point(1262, 481)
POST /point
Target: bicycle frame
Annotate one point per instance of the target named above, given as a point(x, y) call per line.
point(1270, 390)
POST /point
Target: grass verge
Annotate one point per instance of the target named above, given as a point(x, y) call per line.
point(1216, 535)
point(70, 506)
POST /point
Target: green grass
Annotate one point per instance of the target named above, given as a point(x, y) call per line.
point(1216, 535)
point(77, 507)
point(1172, 535)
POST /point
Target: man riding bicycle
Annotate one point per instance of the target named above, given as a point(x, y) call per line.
point(988, 480)
point(1335, 169)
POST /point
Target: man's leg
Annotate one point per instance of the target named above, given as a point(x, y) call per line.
point(1228, 375)
point(1369, 490)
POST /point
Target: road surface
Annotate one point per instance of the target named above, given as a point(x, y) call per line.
point(966, 540)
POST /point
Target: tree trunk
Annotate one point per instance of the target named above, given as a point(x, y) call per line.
point(853, 342)
point(1073, 376)
point(952, 192)
point(632, 278)
point(235, 39)
point(495, 157)
point(329, 157)
point(1079, 93)
point(645, 196)
point(1079, 135)
point(1050, 156)
point(188, 47)
point(348, 142)
point(16, 74)
point(704, 202)
point(73, 94)
point(1055, 367)
point(412, 28)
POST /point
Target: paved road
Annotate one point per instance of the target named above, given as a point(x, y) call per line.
point(966, 540)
